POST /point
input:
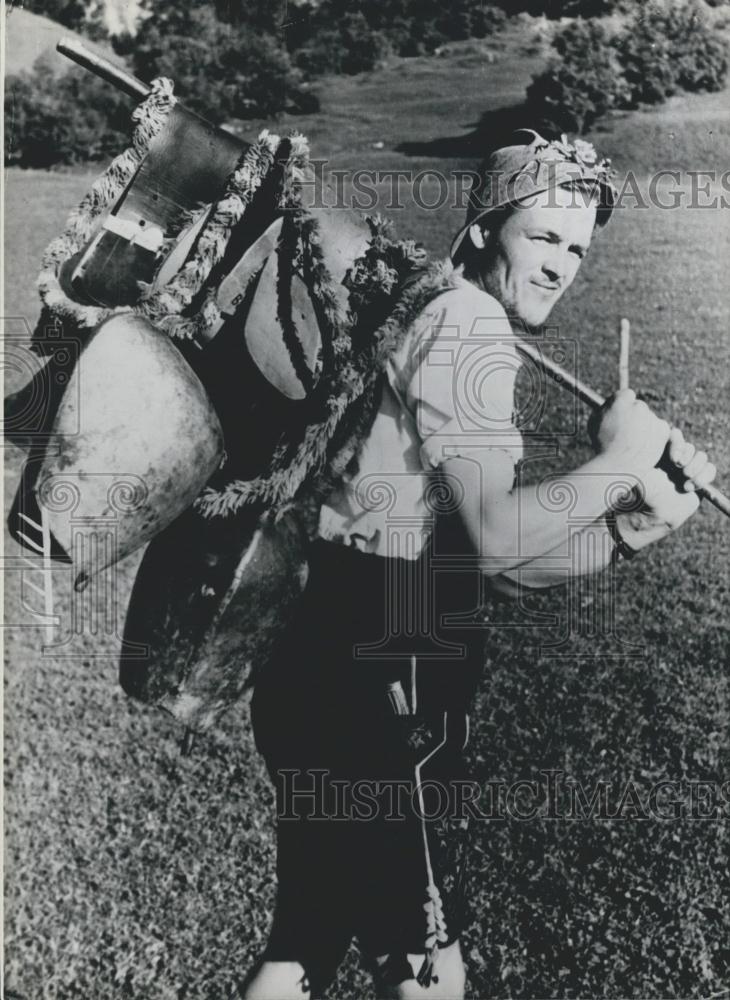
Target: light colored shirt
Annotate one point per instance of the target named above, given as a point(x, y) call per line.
point(449, 392)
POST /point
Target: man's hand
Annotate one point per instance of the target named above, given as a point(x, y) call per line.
point(665, 506)
point(629, 433)
point(694, 465)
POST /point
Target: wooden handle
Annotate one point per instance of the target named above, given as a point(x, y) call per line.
point(623, 361)
point(121, 79)
point(561, 376)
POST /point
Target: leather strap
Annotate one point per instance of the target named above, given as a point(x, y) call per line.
point(622, 549)
point(232, 289)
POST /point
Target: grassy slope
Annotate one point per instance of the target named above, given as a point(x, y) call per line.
point(135, 873)
point(28, 36)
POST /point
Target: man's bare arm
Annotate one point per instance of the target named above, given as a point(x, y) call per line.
point(520, 528)
point(529, 534)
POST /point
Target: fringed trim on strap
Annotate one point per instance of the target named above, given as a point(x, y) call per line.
point(388, 287)
point(436, 933)
point(329, 443)
point(164, 308)
point(149, 118)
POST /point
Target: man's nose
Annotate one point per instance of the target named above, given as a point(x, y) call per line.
point(554, 267)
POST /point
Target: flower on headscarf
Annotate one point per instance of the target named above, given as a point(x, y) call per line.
point(585, 152)
point(580, 152)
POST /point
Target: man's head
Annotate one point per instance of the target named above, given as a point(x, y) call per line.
point(530, 221)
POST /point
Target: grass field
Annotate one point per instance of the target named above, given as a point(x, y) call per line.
point(132, 872)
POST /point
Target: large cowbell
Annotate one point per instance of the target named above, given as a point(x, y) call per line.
point(212, 596)
point(144, 422)
point(134, 440)
point(209, 603)
point(135, 430)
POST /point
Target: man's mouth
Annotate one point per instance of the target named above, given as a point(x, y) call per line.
point(546, 288)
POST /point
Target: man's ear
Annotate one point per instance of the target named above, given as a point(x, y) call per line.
point(477, 236)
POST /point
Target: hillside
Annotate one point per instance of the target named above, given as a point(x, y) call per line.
point(28, 36)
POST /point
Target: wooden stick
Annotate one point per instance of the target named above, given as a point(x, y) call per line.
point(121, 79)
point(595, 400)
point(561, 376)
point(623, 361)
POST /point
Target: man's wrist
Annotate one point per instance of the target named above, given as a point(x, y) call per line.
point(623, 467)
point(622, 549)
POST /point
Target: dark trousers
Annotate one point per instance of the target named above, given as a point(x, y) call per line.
point(361, 718)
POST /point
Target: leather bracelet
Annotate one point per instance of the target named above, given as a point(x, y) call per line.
point(622, 549)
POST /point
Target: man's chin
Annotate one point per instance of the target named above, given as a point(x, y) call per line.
point(531, 313)
point(534, 317)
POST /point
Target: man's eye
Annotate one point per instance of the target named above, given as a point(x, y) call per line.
point(578, 252)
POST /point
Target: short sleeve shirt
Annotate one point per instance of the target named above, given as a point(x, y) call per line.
point(449, 392)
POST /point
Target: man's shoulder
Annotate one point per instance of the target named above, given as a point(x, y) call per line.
point(458, 314)
point(463, 301)
point(460, 308)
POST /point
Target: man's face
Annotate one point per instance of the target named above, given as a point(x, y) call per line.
point(535, 256)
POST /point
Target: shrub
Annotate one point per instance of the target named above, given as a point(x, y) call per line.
point(432, 25)
point(80, 15)
point(351, 47)
point(666, 49)
point(487, 21)
point(699, 56)
point(52, 120)
point(424, 37)
point(321, 55)
point(704, 67)
point(583, 84)
point(659, 51)
point(564, 8)
point(644, 52)
point(220, 70)
point(331, 37)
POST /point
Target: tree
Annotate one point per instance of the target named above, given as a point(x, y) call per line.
point(659, 51)
point(69, 119)
point(79, 15)
point(583, 83)
point(221, 70)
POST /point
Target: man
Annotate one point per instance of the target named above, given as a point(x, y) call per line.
point(369, 694)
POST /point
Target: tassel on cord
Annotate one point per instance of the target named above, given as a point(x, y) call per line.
point(397, 698)
point(435, 921)
point(435, 934)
